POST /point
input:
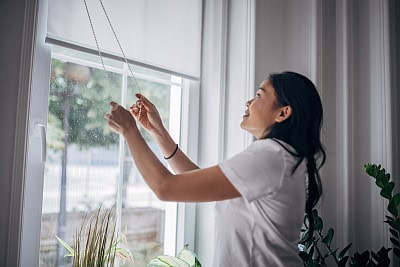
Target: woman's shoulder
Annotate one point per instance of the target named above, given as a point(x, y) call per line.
point(273, 145)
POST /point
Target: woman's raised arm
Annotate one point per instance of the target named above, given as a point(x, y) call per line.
point(196, 185)
point(148, 116)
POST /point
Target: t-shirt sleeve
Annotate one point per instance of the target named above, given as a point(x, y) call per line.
point(257, 171)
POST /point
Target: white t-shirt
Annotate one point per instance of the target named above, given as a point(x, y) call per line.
point(261, 228)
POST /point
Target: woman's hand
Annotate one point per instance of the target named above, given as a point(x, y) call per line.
point(119, 119)
point(147, 115)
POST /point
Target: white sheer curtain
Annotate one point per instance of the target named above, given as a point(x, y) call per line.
point(159, 33)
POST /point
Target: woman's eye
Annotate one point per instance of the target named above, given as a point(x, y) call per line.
point(258, 95)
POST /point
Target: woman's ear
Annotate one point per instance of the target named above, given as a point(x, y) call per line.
point(284, 113)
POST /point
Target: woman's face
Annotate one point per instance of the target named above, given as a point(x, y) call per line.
point(262, 111)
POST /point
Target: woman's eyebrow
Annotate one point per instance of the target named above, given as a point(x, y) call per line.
point(261, 88)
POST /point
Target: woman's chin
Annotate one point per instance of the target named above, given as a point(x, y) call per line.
point(243, 125)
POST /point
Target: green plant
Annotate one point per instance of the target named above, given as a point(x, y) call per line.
point(315, 246)
point(185, 258)
point(310, 244)
point(96, 242)
point(382, 180)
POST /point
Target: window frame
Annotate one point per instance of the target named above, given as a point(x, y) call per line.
point(34, 177)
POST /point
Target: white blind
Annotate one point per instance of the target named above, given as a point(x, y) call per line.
point(165, 34)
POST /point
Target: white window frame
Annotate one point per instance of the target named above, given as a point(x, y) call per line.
point(183, 220)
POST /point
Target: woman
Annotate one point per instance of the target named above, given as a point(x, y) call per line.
point(261, 192)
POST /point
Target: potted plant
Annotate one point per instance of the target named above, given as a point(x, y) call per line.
point(315, 246)
point(96, 243)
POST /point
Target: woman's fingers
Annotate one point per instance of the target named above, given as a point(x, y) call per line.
point(119, 119)
point(113, 104)
point(135, 111)
point(113, 126)
point(146, 113)
point(134, 108)
point(142, 100)
point(110, 122)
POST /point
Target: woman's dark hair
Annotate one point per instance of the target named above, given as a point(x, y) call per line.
point(302, 130)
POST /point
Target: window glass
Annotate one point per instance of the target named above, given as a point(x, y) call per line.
point(88, 166)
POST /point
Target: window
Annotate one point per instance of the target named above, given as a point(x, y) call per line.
point(89, 166)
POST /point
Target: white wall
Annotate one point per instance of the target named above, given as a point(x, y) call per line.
point(284, 37)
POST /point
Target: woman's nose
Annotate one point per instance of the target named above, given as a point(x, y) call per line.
point(249, 102)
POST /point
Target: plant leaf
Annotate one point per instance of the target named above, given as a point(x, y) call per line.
point(375, 256)
point(315, 213)
point(391, 223)
point(383, 252)
point(365, 257)
point(396, 199)
point(395, 241)
point(392, 208)
point(304, 256)
point(305, 236)
point(396, 252)
point(333, 253)
point(301, 247)
point(197, 263)
point(328, 237)
point(386, 177)
point(394, 232)
point(380, 175)
point(311, 250)
point(370, 169)
point(187, 255)
point(360, 259)
point(396, 224)
point(343, 261)
point(389, 218)
point(344, 251)
point(386, 192)
point(172, 261)
point(379, 182)
point(68, 247)
point(318, 224)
